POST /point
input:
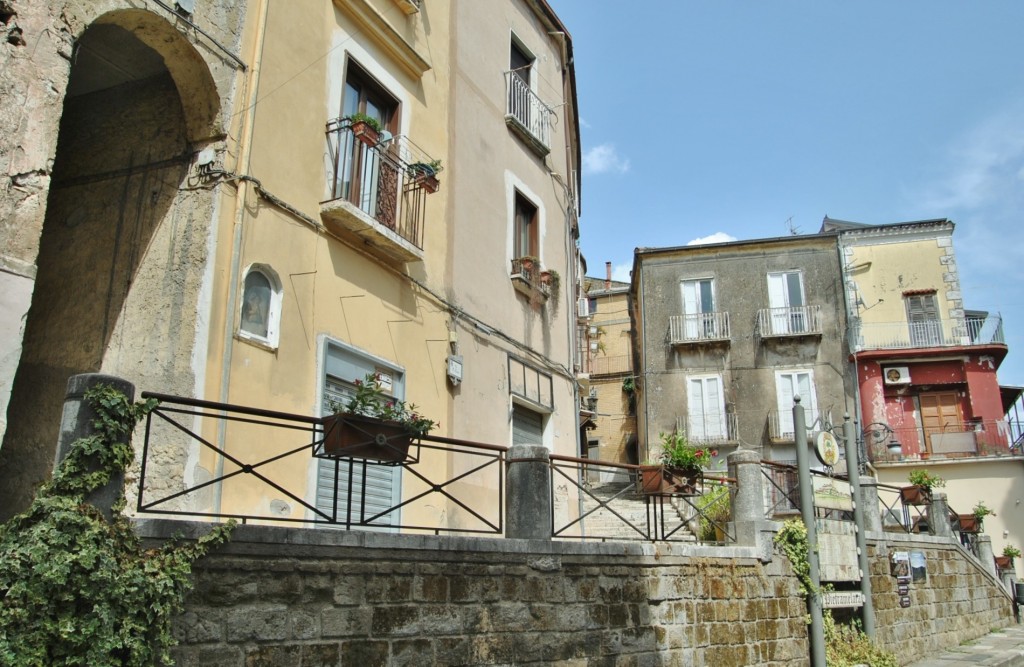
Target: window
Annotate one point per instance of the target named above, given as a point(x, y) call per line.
point(520, 62)
point(342, 367)
point(527, 426)
point(705, 409)
point(787, 385)
point(364, 179)
point(698, 308)
point(923, 319)
point(261, 305)
point(525, 233)
point(786, 300)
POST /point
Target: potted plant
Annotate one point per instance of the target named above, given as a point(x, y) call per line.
point(373, 425)
point(920, 490)
point(679, 468)
point(424, 174)
point(1005, 562)
point(365, 128)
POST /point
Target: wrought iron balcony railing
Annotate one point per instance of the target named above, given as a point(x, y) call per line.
point(526, 113)
point(953, 332)
point(981, 438)
point(602, 365)
point(378, 187)
point(780, 423)
point(796, 321)
point(709, 429)
point(698, 328)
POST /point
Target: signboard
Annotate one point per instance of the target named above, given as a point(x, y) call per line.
point(836, 599)
point(833, 494)
point(826, 447)
point(837, 550)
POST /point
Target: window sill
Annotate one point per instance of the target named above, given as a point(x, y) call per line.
point(261, 343)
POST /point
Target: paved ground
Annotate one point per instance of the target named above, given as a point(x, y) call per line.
point(1004, 648)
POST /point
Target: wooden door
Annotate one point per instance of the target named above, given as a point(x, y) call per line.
point(940, 413)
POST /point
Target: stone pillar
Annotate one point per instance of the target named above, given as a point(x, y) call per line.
point(748, 523)
point(985, 556)
point(938, 515)
point(76, 422)
point(528, 485)
point(872, 506)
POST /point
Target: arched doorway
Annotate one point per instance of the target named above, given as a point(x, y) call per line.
point(109, 267)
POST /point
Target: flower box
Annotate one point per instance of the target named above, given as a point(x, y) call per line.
point(1004, 562)
point(365, 133)
point(915, 495)
point(354, 436)
point(656, 479)
point(969, 523)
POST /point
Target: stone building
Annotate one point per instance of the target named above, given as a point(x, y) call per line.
point(211, 223)
point(728, 333)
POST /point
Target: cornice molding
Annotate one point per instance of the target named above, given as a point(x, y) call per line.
point(376, 27)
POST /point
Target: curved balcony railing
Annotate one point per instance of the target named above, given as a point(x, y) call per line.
point(526, 110)
point(698, 328)
point(790, 321)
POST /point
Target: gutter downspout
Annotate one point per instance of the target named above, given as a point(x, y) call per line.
point(241, 191)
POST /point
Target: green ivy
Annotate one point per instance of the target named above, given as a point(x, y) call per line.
point(76, 589)
point(845, 645)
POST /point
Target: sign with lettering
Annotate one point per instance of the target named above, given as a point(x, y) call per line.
point(836, 599)
point(831, 493)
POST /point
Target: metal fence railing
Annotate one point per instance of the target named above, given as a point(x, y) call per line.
point(601, 500)
point(264, 471)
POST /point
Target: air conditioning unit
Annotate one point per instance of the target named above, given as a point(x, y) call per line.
point(896, 374)
point(583, 307)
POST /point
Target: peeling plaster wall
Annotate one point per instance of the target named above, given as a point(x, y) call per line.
point(145, 327)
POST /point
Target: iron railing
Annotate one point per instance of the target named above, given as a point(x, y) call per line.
point(387, 181)
point(980, 438)
point(526, 110)
point(241, 477)
point(601, 500)
point(698, 327)
point(794, 321)
point(951, 332)
point(780, 423)
point(602, 365)
point(709, 429)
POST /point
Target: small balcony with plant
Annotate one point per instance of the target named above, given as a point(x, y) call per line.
point(377, 188)
point(789, 322)
point(527, 115)
point(531, 279)
point(696, 328)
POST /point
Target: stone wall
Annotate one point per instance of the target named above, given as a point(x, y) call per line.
point(277, 596)
point(958, 602)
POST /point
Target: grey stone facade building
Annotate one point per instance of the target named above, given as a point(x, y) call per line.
point(727, 334)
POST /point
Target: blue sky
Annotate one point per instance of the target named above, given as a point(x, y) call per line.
point(742, 119)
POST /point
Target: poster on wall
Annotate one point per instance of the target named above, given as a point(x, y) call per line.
point(899, 566)
point(918, 569)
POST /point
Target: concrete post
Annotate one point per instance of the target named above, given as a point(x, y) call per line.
point(814, 605)
point(985, 555)
point(871, 504)
point(528, 503)
point(748, 503)
point(76, 422)
point(938, 515)
point(860, 510)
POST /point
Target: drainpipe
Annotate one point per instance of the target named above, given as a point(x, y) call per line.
point(241, 190)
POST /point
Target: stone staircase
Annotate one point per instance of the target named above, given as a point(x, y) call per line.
point(630, 506)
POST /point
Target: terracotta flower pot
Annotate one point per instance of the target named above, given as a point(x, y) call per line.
point(915, 495)
point(362, 131)
point(687, 480)
point(664, 479)
point(354, 436)
point(1004, 562)
point(969, 523)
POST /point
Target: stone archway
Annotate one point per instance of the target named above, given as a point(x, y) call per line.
point(115, 284)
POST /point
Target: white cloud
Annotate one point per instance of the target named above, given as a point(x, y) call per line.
point(604, 159)
point(717, 237)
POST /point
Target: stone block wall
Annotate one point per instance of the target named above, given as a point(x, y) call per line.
point(306, 597)
point(280, 596)
point(958, 602)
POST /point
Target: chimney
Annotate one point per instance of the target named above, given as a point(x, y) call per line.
point(608, 275)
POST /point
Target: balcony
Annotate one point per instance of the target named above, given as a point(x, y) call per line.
point(528, 278)
point(614, 365)
point(698, 328)
point(780, 424)
point(788, 322)
point(378, 192)
point(953, 332)
point(527, 115)
point(972, 439)
point(709, 429)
